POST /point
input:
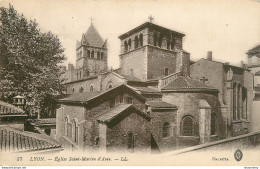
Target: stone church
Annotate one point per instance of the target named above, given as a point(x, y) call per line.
point(154, 101)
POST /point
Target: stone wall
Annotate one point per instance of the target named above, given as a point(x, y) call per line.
point(159, 118)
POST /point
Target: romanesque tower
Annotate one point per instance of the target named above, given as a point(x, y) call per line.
point(91, 54)
point(150, 51)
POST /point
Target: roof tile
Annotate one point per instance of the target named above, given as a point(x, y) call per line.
point(186, 83)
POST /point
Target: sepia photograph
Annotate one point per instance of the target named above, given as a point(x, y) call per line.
point(130, 83)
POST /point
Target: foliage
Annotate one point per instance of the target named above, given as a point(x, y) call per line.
point(29, 59)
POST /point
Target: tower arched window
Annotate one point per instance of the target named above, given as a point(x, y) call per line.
point(88, 54)
point(129, 44)
point(166, 130)
point(155, 39)
point(130, 141)
point(187, 126)
point(92, 55)
point(213, 125)
point(125, 46)
point(234, 101)
point(141, 39)
point(160, 40)
point(136, 42)
point(98, 55)
point(102, 56)
point(166, 72)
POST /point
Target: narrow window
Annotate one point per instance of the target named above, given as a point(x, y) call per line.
point(166, 72)
point(141, 39)
point(66, 126)
point(92, 54)
point(238, 101)
point(88, 54)
point(155, 39)
point(129, 44)
point(81, 90)
point(102, 56)
point(125, 46)
point(91, 88)
point(160, 40)
point(87, 73)
point(130, 141)
point(73, 89)
point(136, 42)
point(98, 55)
point(166, 130)
point(234, 101)
point(213, 124)
point(121, 98)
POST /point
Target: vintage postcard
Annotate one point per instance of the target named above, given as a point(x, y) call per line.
point(127, 83)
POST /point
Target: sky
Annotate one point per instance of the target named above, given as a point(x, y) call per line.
point(228, 28)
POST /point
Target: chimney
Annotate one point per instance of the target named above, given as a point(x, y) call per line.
point(209, 56)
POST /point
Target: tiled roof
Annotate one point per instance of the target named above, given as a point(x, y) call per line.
point(91, 96)
point(13, 140)
point(81, 97)
point(147, 90)
point(131, 78)
point(114, 112)
point(9, 109)
point(49, 121)
point(160, 104)
point(187, 84)
point(93, 38)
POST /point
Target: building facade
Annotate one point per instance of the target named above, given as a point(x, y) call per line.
point(157, 100)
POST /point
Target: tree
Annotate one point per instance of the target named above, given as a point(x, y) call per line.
point(29, 59)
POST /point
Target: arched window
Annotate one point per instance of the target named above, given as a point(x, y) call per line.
point(131, 72)
point(88, 54)
point(125, 46)
point(66, 126)
point(166, 72)
point(187, 126)
point(109, 85)
point(166, 130)
point(91, 88)
point(244, 100)
point(87, 73)
point(80, 74)
point(168, 43)
point(238, 101)
point(141, 39)
point(102, 56)
point(213, 126)
point(98, 55)
point(92, 55)
point(160, 40)
point(81, 90)
point(155, 39)
point(136, 42)
point(234, 101)
point(172, 43)
point(129, 44)
point(130, 141)
point(73, 89)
